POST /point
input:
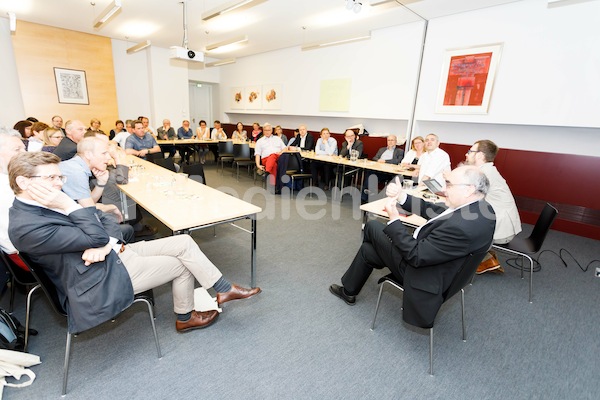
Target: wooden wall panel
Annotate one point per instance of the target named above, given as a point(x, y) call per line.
point(40, 48)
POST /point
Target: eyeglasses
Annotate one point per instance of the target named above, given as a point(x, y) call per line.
point(473, 151)
point(450, 184)
point(61, 178)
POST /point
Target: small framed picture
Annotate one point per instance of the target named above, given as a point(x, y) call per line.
point(253, 97)
point(272, 95)
point(71, 86)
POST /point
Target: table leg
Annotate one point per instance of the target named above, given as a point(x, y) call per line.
point(124, 204)
point(253, 253)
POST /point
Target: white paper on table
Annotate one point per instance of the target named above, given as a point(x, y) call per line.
point(204, 301)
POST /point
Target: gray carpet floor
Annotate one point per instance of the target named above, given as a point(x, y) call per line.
point(297, 341)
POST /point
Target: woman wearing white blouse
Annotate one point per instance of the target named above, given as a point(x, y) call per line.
point(417, 148)
point(203, 133)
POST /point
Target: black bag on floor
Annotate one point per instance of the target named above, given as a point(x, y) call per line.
point(12, 333)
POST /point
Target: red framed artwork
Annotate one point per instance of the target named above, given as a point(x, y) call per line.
point(467, 80)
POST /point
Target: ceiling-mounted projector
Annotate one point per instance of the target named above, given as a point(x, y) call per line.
point(182, 53)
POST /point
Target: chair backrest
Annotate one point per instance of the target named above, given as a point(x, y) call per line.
point(195, 172)
point(21, 276)
point(542, 226)
point(152, 157)
point(294, 163)
point(241, 151)
point(167, 163)
point(464, 274)
point(44, 281)
point(225, 147)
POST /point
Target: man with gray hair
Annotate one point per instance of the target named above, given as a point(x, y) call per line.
point(67, 148)
point(92, 159)
point(427, 260)
point(267, 151)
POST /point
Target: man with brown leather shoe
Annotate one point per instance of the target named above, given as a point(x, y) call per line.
point(81, 250)
point(508, 222)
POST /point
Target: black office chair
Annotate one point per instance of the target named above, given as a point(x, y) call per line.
point(528, 246)
point(167, 163)
point(225, 152)
point(294, 170)
point(51, 294)
point(461, 280)
point(152, 157)
point(241, 156)
point(17, 275)
point(195, 172)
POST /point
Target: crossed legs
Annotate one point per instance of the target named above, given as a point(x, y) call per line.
point(175, 258)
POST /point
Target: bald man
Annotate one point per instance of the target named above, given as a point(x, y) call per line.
point(67, 148)
point(427, 260)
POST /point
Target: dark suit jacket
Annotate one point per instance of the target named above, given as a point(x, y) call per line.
point(66, 149)
point(309, 143)
point(396, 157)
point(357, 145)
point(166, 135)
point(432, 260)
point(55, 242)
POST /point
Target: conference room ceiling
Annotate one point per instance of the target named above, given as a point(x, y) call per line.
point(269, 25)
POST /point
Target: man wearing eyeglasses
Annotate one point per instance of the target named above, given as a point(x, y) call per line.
point(508, 223)
point(427, 260)
point(351, 143)
point(57, 123)
point(81, 251)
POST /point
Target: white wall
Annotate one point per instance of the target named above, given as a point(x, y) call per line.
point(11, 103)
point(169, 94)
point(382, 70)
point(133, 81)
point(548, 72)
point(152, 84)
point(546, 95)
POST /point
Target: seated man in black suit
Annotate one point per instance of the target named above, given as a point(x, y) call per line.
point(351, 143)
point(304, 140)
point(426, 261)
point(390, 154)
point(67, 148)
point(80, 249)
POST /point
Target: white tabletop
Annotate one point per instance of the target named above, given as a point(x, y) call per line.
point(361, 163)
point(178, 202)
point(377, 207)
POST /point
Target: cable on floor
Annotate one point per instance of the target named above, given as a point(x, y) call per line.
point(517, 262)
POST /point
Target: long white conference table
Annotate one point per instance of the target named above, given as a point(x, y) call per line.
point(185, 205)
